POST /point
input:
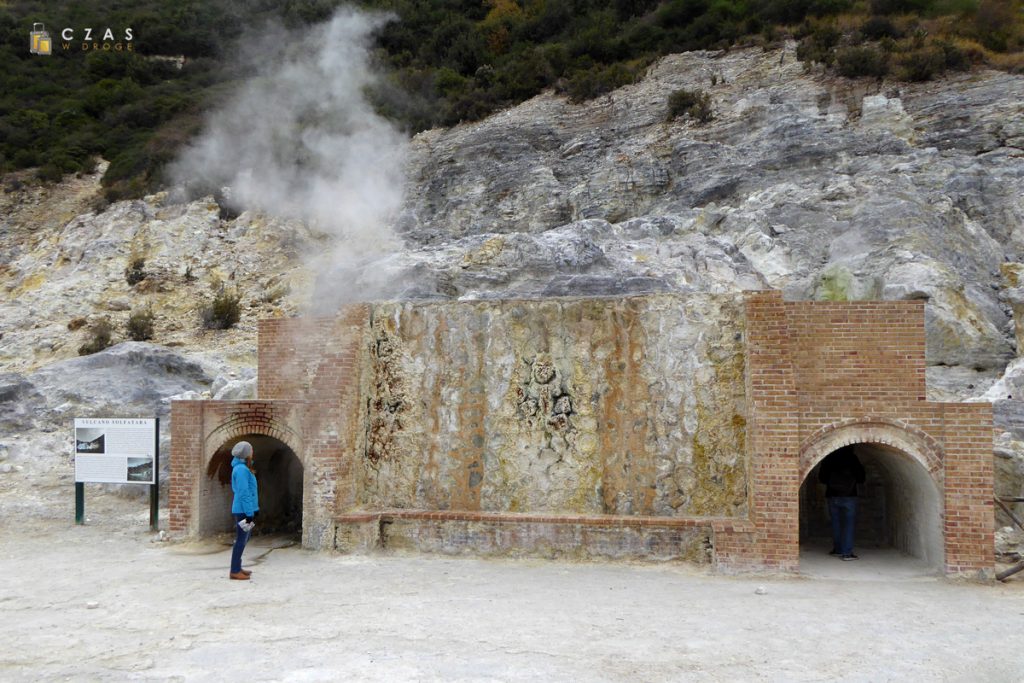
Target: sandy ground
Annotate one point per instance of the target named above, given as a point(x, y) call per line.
point(105, 601)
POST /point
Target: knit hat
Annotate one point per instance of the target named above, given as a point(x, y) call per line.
point(242, 450)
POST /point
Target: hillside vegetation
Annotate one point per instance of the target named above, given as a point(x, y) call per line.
point(447, 60)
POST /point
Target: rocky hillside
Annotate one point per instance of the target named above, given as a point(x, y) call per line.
point(823, 188)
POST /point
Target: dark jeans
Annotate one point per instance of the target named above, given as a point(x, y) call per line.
point(241, 538)
point(843, 511)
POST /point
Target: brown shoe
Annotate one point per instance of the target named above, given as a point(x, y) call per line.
point(247, 572)
point(239, 576)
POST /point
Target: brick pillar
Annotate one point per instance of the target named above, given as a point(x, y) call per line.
point(331, 422)
point(968, 477)
point(772, 438)
point(186, 462)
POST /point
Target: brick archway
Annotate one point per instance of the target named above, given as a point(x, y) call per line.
point(200, 498)
point(822, 375)
point(239, 426)
point(901, 501)
point(873, 430)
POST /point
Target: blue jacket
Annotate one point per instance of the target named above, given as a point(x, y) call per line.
point(243, 483)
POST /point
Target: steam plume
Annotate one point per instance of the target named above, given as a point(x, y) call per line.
point(301, 141)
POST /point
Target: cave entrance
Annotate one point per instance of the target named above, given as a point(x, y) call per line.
point(899, 514)
point(279, 475)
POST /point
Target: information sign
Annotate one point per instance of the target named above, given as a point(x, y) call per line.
point(116, 450)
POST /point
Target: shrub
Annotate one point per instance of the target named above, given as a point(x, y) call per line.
point(817, 45)
point(994, 23)
point(858, 62)
point(98, 204)
point(100, 337)
point(223, 312)
point(140, 325)
point(598, 80)
point(50, 173)
point(897, 6)
point(693, 103)
point(922, 65)
point(877, 28)
point(134, 273)
point(275, 293)
point(955, 57)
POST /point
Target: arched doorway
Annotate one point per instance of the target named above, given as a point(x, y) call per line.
point(279, 474)
point(899, 508)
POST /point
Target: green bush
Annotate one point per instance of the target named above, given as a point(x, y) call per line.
point(955, 58)
point(597, 80)
point(877, 28)
point(134, 273)
point(140, 325)
point(446, 61)
point(223, 312)
point(921, 65)
point(862, 62)
point(818, 44)
point(100, 337)
point(693, 103)
point(898, 6)
point(994, 24)
point(50, 173)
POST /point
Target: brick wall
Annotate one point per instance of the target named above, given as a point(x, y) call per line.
point(199, 500)
point(310, 359)
point(822, 375)
point(969, 516)
point(816, 376)
point(186, 461)
point(773, 440)
point(308, 390)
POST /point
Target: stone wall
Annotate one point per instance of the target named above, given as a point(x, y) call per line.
point(628, 406)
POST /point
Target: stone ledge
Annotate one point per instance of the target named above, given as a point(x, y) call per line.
point(718, 524)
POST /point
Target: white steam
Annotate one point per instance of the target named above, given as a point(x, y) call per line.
point(300, 140)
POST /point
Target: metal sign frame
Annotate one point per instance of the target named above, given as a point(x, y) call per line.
point(154, 487)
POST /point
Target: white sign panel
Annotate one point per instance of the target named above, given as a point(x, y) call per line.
point(115, 450)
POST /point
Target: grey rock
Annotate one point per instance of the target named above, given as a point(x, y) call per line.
point(236, 390)
point(129, 378)
point(602, 285)
point(20, 403)
point(119, 305)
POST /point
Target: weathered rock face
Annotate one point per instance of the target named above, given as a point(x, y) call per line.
point(57, 280)
point(629, 406)
point(826, 190)
point(129, 379)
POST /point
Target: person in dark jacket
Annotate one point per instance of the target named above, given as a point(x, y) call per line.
point(841, 472)
point(244, 506)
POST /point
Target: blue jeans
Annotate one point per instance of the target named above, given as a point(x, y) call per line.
point(843, 511)
point(241, 538)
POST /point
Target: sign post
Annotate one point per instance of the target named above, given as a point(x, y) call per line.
point(79, 503)
point(117, 451)
point(154, 488)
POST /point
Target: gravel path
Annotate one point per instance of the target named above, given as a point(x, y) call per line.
point(106, 602)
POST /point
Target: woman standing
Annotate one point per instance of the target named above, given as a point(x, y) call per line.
point(244, 506)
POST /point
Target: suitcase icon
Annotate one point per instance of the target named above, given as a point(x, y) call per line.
point(40, 40)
